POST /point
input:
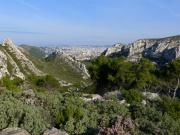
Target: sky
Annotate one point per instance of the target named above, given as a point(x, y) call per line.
point(87, 22)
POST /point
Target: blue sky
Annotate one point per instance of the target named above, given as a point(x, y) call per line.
point(87, 22)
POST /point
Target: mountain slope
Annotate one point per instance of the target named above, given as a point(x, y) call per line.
point(160, 51)
point(55, 65)
point(14, 63)
point(34, 51)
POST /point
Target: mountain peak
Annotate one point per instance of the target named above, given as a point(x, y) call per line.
point(7, 41)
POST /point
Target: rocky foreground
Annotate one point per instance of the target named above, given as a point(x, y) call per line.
point(19, 131)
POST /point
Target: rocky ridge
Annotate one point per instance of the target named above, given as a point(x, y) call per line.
point(14, 63)
point(77, 65)
point(160, 51)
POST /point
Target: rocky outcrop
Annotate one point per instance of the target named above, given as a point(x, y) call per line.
point(91, 97)
point(24, 61)
point(3, 65)
point(151, 96)
point(160, 51)
point(15, 70)
point(54, 131)
point(113, 94)
point(14, 131)
point(14, 63)
point(77, 65)
point(19, 131)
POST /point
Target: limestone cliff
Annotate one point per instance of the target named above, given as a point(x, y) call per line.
point(160, 51)
point(14, 63)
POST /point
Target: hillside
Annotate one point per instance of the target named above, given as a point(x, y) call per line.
point(34, 51)
point(161, 51)
point(57, 95)
point(14, 63)
point(56, 65)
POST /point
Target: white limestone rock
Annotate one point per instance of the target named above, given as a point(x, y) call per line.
point(77, 65)
point(91, 97)
point(3, 65)
point(161, 51)
point(15, 69)
point(14, 131)
point(54, 131)
point(25, 62)
point(151, 96)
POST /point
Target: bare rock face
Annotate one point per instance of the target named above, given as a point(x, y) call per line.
point(3, 65)
point(14, 131)
point(113, 50)
point(161, 51)
point(15, 71)
point(14, 63)
point(24, 61)
point(54, 131)
point(77, 65)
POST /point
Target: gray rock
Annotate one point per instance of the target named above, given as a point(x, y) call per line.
point(26, 64)
point(3, 65)
point(29, 97)
point(113, 94)
point(151, 96)
point(54, 131)
point(14, 131)
point(29, 93)
point(161, 51)
point(91, 97)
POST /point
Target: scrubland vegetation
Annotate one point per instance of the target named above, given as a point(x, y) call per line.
point(66, 110)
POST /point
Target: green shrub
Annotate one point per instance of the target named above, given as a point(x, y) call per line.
point(150, 120)
point(114, 73)
point(171, 107)
point(13, 113)
point(74, 116)
point(109, 110)
point(11, 84)
point(47, 82)
point(132, 96)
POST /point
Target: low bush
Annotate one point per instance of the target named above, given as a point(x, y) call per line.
point(132, 96)
point(11, 84)
point(47, 82)
point(14, 113)
point(171, 107)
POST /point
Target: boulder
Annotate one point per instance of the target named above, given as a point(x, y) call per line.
point(91, 97)
point(14, 131)
point(29, 97)
point(151, 96)
point(54, 131)
point(113, 94)
point(29, 93)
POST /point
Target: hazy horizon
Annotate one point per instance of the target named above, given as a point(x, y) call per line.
point(87, 22)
